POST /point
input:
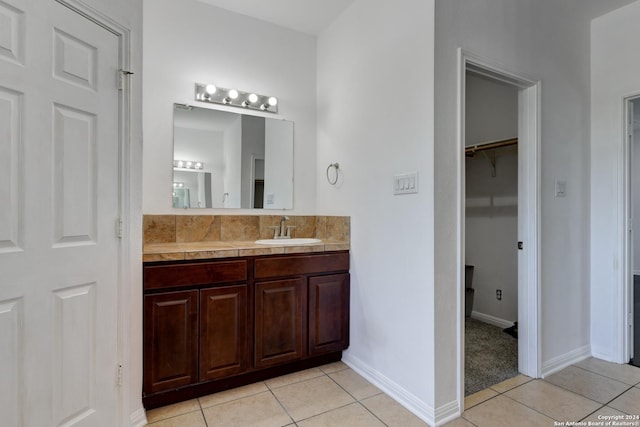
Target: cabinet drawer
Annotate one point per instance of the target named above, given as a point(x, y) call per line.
point(303, 264)
point(206, 273)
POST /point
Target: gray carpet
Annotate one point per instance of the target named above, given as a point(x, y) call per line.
point(491, 356)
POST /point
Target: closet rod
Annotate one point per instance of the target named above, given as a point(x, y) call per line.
point(472, 149)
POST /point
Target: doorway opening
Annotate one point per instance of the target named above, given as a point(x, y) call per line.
point(632, 292)
point(491, 231)
point(523, 205)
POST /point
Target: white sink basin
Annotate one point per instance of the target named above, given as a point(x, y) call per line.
point(288, 242)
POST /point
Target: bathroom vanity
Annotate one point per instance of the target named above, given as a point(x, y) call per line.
point(240, 316)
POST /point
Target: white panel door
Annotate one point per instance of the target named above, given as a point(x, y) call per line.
point(59, 203)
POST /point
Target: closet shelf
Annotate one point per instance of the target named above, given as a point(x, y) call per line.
point(472, 149)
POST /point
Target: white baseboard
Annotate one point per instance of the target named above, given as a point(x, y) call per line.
point(560, 362)
point(603, 353)
point(447, 412)
point(138, 418)
point(492, 320)
point(405, 398)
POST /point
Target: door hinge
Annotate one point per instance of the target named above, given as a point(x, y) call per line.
point(119, 228)
point(121, 76)
point(119, 375)
point(520, 246)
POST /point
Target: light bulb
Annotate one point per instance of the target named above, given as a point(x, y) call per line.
point(273, 101)
point(253, 98)
point(233, 94)
point(180, 164)
point(198, 165)
point(210, 89)
point(189, 164)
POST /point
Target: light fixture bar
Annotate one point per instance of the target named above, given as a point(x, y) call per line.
point(188, 164)
point(236, 98)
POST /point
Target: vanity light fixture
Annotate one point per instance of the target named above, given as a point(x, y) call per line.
point(236, 98)
point(188, 164)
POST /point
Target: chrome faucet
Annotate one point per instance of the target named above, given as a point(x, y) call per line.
point(283, 234)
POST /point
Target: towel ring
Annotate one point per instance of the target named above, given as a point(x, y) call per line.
point(336, 166)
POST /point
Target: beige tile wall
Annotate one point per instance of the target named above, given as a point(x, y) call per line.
point(211, 228)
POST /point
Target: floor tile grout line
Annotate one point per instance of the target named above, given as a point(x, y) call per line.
point(372, 413)
point(294, 382)
point(359, 401)
point(347, 391)
point(618, 396)
point(296, 421)
point(283, 407)
point(206, 423)
point(498, 393)
point(547, 415)
point(234, 400)
point(523, 404)
point(173, 416)
point(587, 397)
point(604, 375)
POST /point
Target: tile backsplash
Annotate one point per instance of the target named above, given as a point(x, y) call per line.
point(211, 228)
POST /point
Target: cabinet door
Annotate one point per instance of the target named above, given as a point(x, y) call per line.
point(279, 321)
point(328, 313)
point(223, 332)
point(170, 340)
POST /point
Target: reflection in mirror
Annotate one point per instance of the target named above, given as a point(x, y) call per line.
point(231, 160)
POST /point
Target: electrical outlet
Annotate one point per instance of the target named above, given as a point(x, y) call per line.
point(499, 294)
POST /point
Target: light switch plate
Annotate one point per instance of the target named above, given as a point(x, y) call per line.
point(406, 183)
point(561, 188)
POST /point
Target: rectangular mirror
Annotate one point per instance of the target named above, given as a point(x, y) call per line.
point(229, 160)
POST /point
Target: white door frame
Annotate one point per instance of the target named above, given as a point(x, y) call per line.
point(529, 359)
point(127, 277)
point(623, 293)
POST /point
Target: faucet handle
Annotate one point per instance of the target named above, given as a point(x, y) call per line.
point(275, 230)
point(289, 227)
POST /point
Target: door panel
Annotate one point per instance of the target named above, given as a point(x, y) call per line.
point(11, 334)
point(10, 166)
point(60, 199)
point(74, 176)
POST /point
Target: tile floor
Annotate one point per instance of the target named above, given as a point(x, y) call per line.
point(334, 395)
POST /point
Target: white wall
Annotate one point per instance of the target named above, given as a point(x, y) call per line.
point(546, 41)
point(375, 118)
point(188, 41)
point(614, 76)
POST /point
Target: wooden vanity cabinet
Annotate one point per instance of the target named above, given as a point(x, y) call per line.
point(279, 321)
point(217, 324)
point(170, 340)
point(328, 298)
point(224, 332)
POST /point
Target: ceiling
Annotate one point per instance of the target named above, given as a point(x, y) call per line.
point(313, 16)
point(306, 16)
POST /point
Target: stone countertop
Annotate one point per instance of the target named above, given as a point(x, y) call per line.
point(228, 249)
